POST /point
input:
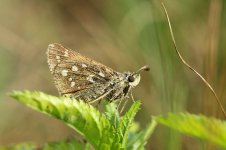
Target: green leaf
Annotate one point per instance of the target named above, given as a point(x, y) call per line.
point(198, 126)
point(98, 129)
point(111, 112)
point(137, 141)
point(79, 115)
point(126, 122)
point(123, 124)
point(62, 145)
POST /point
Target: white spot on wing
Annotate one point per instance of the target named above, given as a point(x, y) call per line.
point(66, 53)
point(90, 78)
point(74, 68)
point(70, 79)
point(51, 45)
point(101, 74)
point(64, 73)
point(84, 65)
point(72, 83)
point(58, 58)
point(51, 66)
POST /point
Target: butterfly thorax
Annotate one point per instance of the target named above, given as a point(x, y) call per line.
point(121, 85)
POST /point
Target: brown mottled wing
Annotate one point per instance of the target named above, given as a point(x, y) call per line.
point(76, 75)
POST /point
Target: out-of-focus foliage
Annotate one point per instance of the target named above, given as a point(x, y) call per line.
point(198, 126)
point(23, 146)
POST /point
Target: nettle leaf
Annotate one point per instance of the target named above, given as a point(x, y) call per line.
point(137, 141)
point(199, 126)
point(126, 122)
point(63, 145)
point(98, 129)
point(111, 112)
point(79, 115)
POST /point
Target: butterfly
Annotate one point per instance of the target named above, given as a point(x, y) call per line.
point(83, 78)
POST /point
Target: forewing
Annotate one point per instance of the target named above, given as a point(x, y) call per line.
point(76, 75)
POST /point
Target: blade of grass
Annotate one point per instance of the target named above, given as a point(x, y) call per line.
point(191, 68)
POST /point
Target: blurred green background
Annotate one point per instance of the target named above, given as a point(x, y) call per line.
point(124, 35)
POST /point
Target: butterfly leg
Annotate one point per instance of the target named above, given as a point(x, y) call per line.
point(116, 111)
point(100, 97)
point(127, 101)
point(131, 94)
point(99, 102)
point(123, 106)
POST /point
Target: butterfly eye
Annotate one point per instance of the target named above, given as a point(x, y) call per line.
point(131, 79)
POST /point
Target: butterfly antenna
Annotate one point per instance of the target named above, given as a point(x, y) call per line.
point(145, 68)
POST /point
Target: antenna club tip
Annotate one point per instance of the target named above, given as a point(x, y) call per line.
point(146, 68)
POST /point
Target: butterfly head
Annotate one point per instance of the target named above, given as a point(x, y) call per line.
point(134, 78)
